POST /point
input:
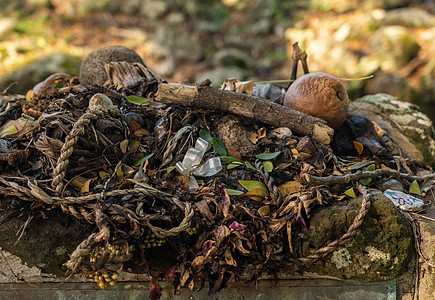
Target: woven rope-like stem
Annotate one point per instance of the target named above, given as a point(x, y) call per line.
point(68, 147)
point(82, 250)
point(333, 246)
point(268, 180)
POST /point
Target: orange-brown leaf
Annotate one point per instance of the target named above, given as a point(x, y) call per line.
point(358, 147)
point(255, 194)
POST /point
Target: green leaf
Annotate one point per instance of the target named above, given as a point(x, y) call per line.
point(350, 192)
point(229, 159)
point(267, 156)
point(219, 146)
point(365, 181)
point(415, 188)
point(372, 167)
point(254, 184)
point(138, 100)
point(234, 192)
point(232, 166)
point(267, 165)
point(58, 85)
point(170, 169)
point(250, 166)
point(140, 161)
point(205, 135)
point(119, 174)
point(5, 131)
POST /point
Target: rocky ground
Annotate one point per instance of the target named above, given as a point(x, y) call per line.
point(192, 40)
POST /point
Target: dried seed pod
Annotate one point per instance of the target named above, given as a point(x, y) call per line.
point(319, 95)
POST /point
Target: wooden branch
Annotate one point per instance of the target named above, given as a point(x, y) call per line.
point(245, 105)
point(329, 180)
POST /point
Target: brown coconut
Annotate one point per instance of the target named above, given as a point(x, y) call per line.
point(319, 95)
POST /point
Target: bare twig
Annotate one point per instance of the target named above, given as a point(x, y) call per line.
point(298, 55)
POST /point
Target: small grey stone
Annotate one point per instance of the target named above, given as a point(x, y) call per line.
point(92, 69)
point(392, 184)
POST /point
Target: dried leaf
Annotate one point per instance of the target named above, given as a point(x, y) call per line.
point(305, 155)
point(414, 188)
point(237, 226)
point(246, 87)
point(264, 210)
point(336, 172)
point(341, 197)
point(358, 147)
point(17, 128)
point(267, 165)
point(78, 182)
point(256, 194)
point(134, 145)
point(234, 154)
point(86, 185)
point(229, 258)
point(127, 171)
point(253, 138)
point(232, 192)
point(124, 146)
point(239, 246)
point(253, 184)
point(295, 151)
point(141, 132)
point(268, 156)
point(290, 187)
point(385, 167)
point(289, 236)
point(7, 129)
point(133, 125)
point(350, 192)
point(256, 136)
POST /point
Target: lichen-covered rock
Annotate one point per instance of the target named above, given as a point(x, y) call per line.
point(404, 123)
point(92, 70)
point(380, 250)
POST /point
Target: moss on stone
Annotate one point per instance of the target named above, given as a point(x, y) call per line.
point(380, 250)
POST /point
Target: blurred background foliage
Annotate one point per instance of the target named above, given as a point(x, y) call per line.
point(190, 40)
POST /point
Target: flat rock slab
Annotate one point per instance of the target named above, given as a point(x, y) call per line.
point(282, 289)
